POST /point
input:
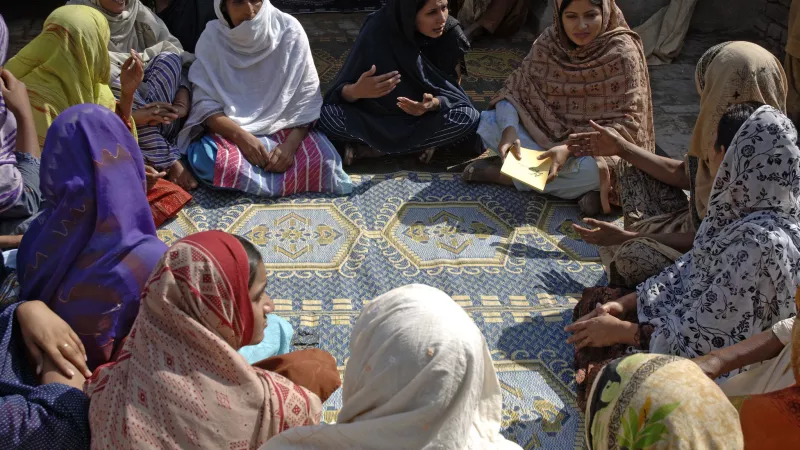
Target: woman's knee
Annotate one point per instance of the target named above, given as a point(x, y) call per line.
point(169, 62)
point(466, 116)
point(635, 261)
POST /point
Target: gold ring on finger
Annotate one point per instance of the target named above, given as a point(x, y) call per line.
point(65, 345)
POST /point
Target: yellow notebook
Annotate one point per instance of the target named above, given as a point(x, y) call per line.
point(528, 170)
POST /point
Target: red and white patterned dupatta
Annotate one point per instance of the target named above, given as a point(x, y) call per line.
point(178, 381)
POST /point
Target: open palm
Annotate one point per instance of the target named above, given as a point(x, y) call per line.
point(603, 141)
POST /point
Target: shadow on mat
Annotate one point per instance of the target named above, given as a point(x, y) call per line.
point(542, 342)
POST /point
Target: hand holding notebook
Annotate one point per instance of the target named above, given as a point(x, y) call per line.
point(529, 169)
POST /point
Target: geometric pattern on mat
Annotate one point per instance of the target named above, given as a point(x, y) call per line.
point(508, 258)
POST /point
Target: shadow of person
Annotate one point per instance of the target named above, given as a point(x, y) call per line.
point(544, 413)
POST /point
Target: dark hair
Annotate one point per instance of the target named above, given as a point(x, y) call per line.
point(253, 257)
point(420, 4)
point(223, 8)
point(566, 3)
point(733, 119)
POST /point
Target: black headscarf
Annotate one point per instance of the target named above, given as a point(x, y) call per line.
point(389, 40)
point(186, 20)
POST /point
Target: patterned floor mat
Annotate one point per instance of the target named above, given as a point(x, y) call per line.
point(510, 259)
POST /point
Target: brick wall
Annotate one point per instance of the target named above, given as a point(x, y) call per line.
point(772, 23)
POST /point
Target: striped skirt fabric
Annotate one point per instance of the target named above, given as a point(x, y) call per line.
point(162, 77)
point(317, 167)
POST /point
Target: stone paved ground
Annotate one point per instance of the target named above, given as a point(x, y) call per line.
point(675, 98)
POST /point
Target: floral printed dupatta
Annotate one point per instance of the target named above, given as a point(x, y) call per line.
point(740, 277)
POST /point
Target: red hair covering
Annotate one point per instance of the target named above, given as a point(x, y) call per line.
point(178, 381)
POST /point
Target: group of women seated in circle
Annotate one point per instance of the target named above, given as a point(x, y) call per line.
point(117, 341)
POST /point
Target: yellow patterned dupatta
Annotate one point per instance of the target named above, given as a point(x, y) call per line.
point(728, 73)
point(66, 65)
point(655, 402)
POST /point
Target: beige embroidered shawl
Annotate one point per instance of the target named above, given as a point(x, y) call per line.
point(728, 73)
point(559, 87)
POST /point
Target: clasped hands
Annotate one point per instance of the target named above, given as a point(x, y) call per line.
point(603, 327)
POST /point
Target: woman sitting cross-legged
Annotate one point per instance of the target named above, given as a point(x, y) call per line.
point(255, 97)
point(588, 65)
point(399, 90)
point(179, 382)
point(68, 64)
point(658, 229)
point(419, 376)
point(740, 276)
point(164, 97)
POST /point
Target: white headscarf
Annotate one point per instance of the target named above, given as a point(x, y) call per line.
point(419, 377)
point(741, 274)
point(260, 74)
point(138, 28)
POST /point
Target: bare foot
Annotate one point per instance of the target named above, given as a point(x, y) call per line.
point(427, 155)
point(349, 154)
point(590, 204)
point(486, 170)
point(354, 151)
point(181, 176)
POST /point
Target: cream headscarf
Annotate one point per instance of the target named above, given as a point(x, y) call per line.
point(419, 376)
point(138, 28)
point(729, 73)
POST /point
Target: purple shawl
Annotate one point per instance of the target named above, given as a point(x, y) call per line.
point(91, 250)
point(10, 178)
